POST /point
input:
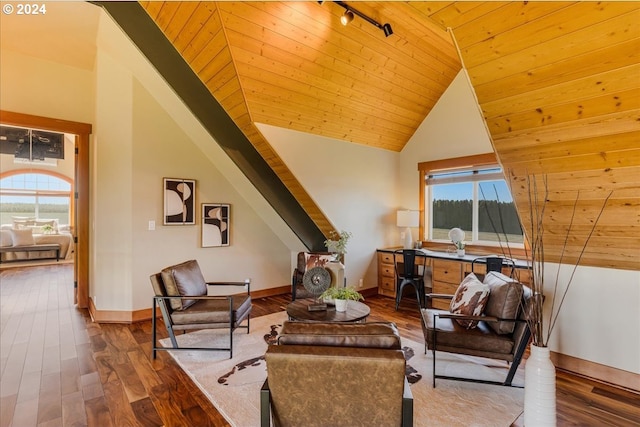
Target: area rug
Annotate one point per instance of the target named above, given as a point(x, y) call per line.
point(233, 385)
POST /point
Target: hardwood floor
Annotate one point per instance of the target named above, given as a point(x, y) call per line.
point(60, 369)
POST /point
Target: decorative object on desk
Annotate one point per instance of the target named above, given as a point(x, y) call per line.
point(337, 243)
point(179, 201)
point(342, 296)
point(215, 225)
point(316, 280)
point(540, 386)
point(456, 235)
point(407, 219)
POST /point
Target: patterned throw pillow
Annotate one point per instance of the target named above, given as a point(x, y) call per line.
point(316, 260)
point(469, 299)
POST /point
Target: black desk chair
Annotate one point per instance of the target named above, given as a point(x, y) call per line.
point(495, 263)
point(412, 271)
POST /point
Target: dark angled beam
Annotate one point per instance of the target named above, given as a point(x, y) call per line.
point(146, 35)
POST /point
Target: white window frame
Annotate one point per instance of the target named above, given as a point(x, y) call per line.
point(475, 179)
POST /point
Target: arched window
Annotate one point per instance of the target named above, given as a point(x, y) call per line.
point(41, 195)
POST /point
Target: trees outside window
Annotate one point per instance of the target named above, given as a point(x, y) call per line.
point(476, 200)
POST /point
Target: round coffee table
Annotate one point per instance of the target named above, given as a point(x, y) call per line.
point(356, 312)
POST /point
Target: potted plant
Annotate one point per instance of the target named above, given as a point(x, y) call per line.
point(337, 243)
point(47, 229)
point(459, 248)
point(342, 296)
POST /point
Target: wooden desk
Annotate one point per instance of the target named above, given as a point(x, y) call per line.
point(448, 270)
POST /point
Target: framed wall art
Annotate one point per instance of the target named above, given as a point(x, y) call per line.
point(215, 225)
point(179, 201)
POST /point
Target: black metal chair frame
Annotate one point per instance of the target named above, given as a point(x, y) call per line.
point(495, 263)
point(166, 310)
point(410, 275)
point(517, 358)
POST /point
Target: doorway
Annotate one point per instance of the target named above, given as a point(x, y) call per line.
point(80, 190)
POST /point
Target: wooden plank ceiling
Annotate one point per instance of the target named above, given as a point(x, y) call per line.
point(558, 84)
point(293, 65)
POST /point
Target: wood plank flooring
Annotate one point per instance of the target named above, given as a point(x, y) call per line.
point(60, 369)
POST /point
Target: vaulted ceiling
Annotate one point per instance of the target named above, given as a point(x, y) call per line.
point(293, 65)
point(557, 82)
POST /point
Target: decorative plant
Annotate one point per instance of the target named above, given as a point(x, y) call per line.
point(347, 293)
point(47, 228)
point(337, 243)
point(459, 245)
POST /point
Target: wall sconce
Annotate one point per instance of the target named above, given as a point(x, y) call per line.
point(350, 12)
point(408, 219)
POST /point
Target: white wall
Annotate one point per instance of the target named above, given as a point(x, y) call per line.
point(453, 128)
point(26, 84)
point(354, 185)
point(599, 320)
point(138, 141)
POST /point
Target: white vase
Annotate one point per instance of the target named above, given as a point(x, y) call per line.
point(460, 252)
point(539, 389)
point(341, 304)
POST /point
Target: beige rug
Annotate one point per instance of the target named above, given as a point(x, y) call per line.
point(233, 385)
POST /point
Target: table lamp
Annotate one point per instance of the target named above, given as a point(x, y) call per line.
point(408, 219)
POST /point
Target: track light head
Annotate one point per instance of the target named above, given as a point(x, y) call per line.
point(347, 17)
point(387, 30)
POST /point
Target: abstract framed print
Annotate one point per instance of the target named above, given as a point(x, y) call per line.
point(179, 201)
point(215, 225)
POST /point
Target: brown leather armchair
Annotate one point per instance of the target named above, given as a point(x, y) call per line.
point(502, 333)
point(336, 374)
point(181, 293)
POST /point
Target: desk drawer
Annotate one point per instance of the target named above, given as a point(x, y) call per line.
point(388, 286)
point(387, 270)
point(447, 271)
point(386, 257)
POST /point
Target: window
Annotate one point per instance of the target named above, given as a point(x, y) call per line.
point(475, 198)
point(37, 195)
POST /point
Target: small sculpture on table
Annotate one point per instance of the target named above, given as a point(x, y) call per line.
point(316, 280)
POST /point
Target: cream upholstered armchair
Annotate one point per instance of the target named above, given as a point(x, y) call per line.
point(336, 374)
point(181, 293)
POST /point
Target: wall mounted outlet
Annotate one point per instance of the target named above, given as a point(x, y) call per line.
point(152, 225)
point(361, 283)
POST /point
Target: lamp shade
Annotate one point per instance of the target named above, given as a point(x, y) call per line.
point(408, 218)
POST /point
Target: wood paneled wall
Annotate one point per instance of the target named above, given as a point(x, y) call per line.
point(559, 86)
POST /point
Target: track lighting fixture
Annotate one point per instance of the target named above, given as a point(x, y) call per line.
point(346, 17)
point(350, 12)
point(387, 30)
